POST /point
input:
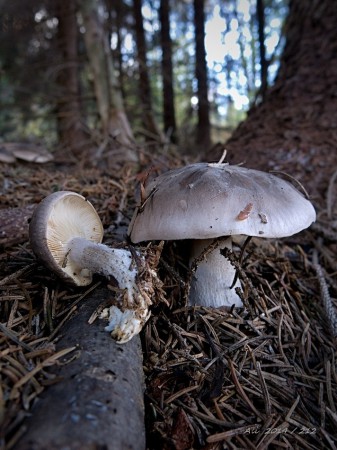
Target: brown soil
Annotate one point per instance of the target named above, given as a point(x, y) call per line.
point(262, 377)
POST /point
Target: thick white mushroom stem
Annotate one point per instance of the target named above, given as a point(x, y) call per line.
point(214, 276)
point(98, 258)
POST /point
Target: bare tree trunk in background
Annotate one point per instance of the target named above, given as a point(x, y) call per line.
point(115, 124)
point(169, 115)
point(148, 120)
point(69, 117)
point(262, 48)
point(116, 12)
point(295, 128)
point(203, 132)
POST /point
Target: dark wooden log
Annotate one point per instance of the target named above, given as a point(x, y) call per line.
point(99, 402)
point(14, 224)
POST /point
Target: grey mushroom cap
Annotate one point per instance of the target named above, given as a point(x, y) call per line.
point(208, 200)
point(57, 219)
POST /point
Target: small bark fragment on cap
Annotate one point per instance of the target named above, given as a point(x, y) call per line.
point(244, 214)
point(263, 218)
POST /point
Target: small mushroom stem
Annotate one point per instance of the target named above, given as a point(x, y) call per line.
point(213, 278)
point(101, 259)
point(98, 258)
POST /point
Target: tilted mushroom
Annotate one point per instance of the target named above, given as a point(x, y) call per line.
point(66, 233)
point(204, 201)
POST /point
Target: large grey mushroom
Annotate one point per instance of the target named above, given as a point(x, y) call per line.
point(204, 201)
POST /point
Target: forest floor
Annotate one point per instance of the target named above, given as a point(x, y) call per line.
point(260, 377)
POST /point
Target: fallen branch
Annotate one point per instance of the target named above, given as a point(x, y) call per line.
point(325, 295)
point(99, 402)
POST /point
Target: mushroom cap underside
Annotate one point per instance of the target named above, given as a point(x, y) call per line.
point(60, 217)
point(206, 200)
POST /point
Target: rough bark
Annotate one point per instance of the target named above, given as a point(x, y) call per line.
point(295, 128)
point(169, 116)
point(14, 224)
point(98, 404)
point(68, 107)
point(203, 132)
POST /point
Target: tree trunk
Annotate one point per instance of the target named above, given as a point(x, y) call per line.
point(145, 96)
point(98, 401)
point(262, 48)
point(115, 125)
point(69, 117)
point(295, 128)
point(169, 116)
point(116, 10)
point(203, 134)
point(14, 225)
